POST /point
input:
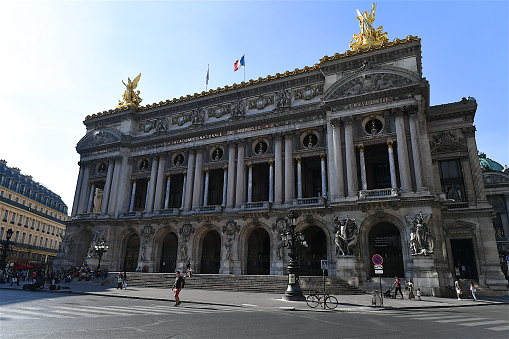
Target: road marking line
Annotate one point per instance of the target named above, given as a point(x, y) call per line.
point(458, 320)
point(14, 317)
point(499, 328)
point(76, 313)
point(37, 314)
point(490, 322)
point(441, 317)
point(92, 310)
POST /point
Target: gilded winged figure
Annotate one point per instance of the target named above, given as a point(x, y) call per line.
point(131, 97)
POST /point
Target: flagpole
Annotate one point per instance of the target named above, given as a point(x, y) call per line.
point(244, 68)
point(207, 79)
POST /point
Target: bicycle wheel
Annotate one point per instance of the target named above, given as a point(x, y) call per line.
point(312, 301)
point(331, 302)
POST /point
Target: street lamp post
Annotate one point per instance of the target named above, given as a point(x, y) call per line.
point(293, 241)
point(100, 249)
point(6, 247)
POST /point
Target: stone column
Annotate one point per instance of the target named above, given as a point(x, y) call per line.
point(416, 152)
point(114, 185)
point(190, 179)
point(147, 195)
point(324, 175)
point(239, 199)
point(198, 178)
point(107, 187)
point(250, 183)
point(271, 181)
point(289, 179)
point(225, 184)
point(338, 158)
point(78, 189)
point(91, 198)
point(351, 161)
point(167, 194)
point(364, 183)
point(475, 167)
point(82, 205)
point(149, 206)
point(230, 196)
point(299, 178)
point(278, 177)
point(404, 164)
point(160, 183)
point(133, 194)
point(392, 166)
point(124, 186)
point(184, 190)
point(206, 189)
point(331, 167)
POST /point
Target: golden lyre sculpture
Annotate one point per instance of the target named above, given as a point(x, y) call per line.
point(130, 97)
point(368, 35)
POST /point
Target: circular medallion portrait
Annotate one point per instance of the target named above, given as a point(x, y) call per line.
point(179, 160)
point(310, 140)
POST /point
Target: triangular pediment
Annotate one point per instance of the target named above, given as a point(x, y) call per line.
point(99, 138)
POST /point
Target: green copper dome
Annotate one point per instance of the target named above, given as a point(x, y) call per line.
point(489, 165)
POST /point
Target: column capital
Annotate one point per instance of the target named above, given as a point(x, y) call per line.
point(361, 148)
point(299, 160)
point(271, 163)
point(397, 111)
point(250, 165)
point(322, 156)
point(347, 120)
point(206, 171)
point(225, 168)
point(231, 142)
point(185, 173)
point(411, 109)
point(335, 122)
point(469, 131)
point(390, 144)
point(191, 149)
point(278, 135)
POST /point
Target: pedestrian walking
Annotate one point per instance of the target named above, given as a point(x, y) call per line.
point(410, 286)
point(397, 284)
point(418, 294)
point(458, 289)
point(124, 280)
point(119, 281)
point(177, 286)
point(189, 270)
point(104, 275)
point(473, 290)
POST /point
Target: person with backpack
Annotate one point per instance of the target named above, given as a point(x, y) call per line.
point(177, 286)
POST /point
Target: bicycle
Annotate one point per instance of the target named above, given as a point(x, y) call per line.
point(316, 298)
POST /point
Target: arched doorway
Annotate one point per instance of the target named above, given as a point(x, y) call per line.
point(131, 253)
point(82, 248)
point(314, 253)
point(168, 260)
point(385, 240)
point(258, 252)
point(210, 253)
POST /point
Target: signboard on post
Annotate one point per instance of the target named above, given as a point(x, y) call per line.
point(323, 264)
point(379, 269)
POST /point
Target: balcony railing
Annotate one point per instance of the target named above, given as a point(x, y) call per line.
point(379, 193)
point(452, 205)
point(257, 204)
point(211, 208)
point(311, 201)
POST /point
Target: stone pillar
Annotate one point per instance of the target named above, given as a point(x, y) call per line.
point(230, 196)
point(160, 183)
point(404, 164)
point(271, 181)
point(239, 199)
point(91, 198)
point(324, 175)
point(416, 152)
point(107, 187)
point(133, 194)
point(475, 167)
point(124, 185)
point(289, 179)
point(114, 186)
point(392, 166)
point(364, 183)
point(338, 158)
point(78, 189)
point(299, 178)
point(184, 190)
point(147, 195)
point(225, 184)
point(332, 172)
point(167, 194)
point(190, 180)
point(198, 178)
point(250, 183)
point(206, 189)
point(82, 204)
point(278, 177)
point(351, 161)
point(149, 206)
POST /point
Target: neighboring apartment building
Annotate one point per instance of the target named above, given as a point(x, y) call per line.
point(351, 144)
point(36, 216)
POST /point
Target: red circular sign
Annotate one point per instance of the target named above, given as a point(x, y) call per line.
point(377, 259)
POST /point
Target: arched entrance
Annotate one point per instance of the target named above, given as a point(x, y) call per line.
point(82, 248)
point(210, 253)
point(316, 251)
point(131, 253)
point(385, 240)
point(168, 260)
point(258, 252)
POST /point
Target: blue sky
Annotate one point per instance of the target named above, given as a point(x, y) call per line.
point(62, 61)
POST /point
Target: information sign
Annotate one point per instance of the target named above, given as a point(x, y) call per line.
point(377, 259)
point(323, 264)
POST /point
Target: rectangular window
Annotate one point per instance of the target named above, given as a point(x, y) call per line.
point(2, 233)
point(33, 223)
point(16, 236)
point(23, 236)
point(43, 227)
point(40, 242)
point(51, 243)
point(53, 230)
point(46, 243)
point(6, 215)
point(38, 225)
point(17, 199)
point(20, 220)
point(13, 217)
point(35, 241)
point(29, 239)
point(451, 179)
point(27, 221)
point(2, 194)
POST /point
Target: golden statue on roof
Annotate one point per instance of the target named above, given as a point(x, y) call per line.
point(368, 35)
point(131, 97)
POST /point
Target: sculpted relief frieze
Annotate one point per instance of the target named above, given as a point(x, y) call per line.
point(447, 141)
point(98, 138)
point(261, 102)
point(308, 92)
point(368, 83)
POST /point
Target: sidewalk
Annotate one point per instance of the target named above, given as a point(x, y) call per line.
point(347, 303)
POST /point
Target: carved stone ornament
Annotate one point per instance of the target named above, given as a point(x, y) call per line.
point(186, 230)
point(218, 111)
point(280, 225)
point(308, 92)
point(447, 141)
point(368, 83)
point(98, 138)
point(347, 234)
point(198, 116)
point(67, 243)
point(231, 227)
point(147, 231)
point(283, 98)
point(494, 178)
point(162, 124)
point(261, 102)
point(146, 126)
point(421, 238)
point(228, 248)
point(238, 109)
point(180, 119)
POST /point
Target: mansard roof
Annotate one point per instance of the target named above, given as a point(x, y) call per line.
point(261, 80)
point(12, 179)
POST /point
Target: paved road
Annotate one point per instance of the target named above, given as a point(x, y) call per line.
point(25, 314)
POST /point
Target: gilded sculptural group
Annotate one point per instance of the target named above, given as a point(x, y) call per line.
point(368, 35)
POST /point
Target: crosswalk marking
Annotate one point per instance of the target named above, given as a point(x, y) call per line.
point(489, 322)
point(499, 328)
point(458, 319)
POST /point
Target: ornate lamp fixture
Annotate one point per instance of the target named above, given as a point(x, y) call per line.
point(100, 249)
point(6, 247)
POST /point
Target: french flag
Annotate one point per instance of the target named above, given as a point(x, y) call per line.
point(239, 63)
